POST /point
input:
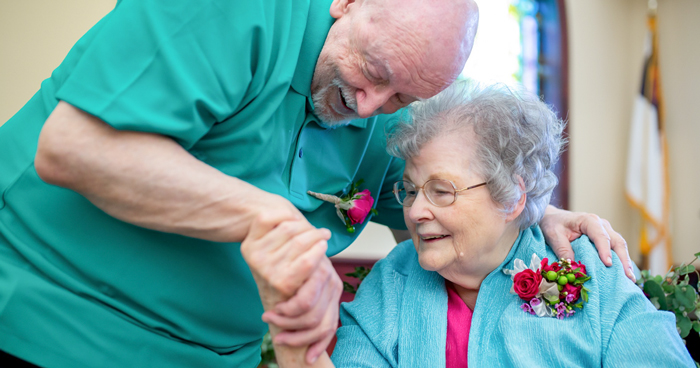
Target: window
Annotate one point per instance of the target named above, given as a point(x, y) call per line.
point(524, 41)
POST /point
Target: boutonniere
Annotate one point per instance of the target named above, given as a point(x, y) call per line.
point(352, 208)
point(549, 290)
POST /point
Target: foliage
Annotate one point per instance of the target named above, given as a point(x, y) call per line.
point(674, 293)
point(268, 352)
point(360, 273)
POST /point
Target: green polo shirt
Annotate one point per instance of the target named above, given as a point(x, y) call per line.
point(230, 82)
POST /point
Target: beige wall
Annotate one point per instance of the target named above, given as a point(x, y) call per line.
point(35, 35)
point(606, 38)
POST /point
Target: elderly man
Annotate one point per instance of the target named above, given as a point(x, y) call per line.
point(130, 178)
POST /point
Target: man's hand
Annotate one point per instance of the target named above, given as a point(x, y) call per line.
point(282, 257)
point(561, 227)
point(297, 283)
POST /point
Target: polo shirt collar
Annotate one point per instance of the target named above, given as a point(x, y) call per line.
point(318, 23)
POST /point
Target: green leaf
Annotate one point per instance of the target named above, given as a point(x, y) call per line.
point(348, 288)
point(584, 295)
point(583, 279)
point(696, 326)
point(374, 212)
point(654, 290)
point(697, 254)
point(668, 289)
point(360, 273)
point(673, 302)
point(683, 323)
point(655, 302)
point(659, 279)
point(645, 274)
point(686, 296)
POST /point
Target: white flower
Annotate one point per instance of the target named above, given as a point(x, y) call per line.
point(549, 290)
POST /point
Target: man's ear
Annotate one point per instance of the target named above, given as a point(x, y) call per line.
point(520, 206)
point(340, 7)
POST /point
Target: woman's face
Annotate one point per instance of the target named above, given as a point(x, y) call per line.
point(469, 237)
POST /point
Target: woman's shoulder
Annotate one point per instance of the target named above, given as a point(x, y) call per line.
point(616, 296)
point(388, 276)
point(401, 257)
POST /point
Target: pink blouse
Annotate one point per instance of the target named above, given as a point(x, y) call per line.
point(459, 322)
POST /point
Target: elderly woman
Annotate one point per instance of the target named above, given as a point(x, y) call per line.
point(477, 285)
point(478, 177)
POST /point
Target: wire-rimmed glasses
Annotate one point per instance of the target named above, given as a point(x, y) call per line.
point(440, 192)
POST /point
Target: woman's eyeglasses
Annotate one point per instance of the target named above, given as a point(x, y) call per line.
point(440, 192)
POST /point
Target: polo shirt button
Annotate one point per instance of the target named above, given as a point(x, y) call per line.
point(301, 152)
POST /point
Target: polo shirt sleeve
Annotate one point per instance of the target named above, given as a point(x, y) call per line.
point(390, 211)
point(168, 67)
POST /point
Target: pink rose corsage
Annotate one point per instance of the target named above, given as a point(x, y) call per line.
point(352, 208)
point(549, 290)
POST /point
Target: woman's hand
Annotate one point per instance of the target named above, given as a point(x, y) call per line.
point(561, 227)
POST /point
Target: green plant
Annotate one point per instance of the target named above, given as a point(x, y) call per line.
point(360, 273)
point(267, 352)
point(673, 292)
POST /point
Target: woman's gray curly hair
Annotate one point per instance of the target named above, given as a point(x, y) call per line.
point(518, 136)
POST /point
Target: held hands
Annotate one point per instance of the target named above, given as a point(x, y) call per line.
point(560, 227)
point(298, 286)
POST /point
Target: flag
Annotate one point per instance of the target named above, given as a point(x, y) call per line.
point(647, 184)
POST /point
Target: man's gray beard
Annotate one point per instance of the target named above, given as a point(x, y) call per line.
point(322, 110)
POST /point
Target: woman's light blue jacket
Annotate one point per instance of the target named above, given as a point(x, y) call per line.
point(399, 319)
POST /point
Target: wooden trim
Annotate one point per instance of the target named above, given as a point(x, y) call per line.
point(554, 80)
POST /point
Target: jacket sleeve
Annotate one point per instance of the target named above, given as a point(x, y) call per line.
point(640, 335)
point(368, 336)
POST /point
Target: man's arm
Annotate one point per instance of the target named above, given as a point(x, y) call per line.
point(149, 180)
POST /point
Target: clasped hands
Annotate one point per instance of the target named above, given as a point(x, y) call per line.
point(298, 285)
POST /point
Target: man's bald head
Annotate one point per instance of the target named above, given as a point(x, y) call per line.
point(441, 32)
point(380, 55)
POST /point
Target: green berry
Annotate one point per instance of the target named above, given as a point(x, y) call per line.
point(562, 280)
point(551, 275)
point(571, 277)
point(560, 287)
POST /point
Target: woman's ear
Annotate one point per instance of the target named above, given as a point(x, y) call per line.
point(520, 205)
point(340, 7)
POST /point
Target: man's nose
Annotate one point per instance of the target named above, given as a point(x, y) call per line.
point(370, 101)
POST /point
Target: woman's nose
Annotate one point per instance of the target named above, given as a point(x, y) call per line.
point(420, 210)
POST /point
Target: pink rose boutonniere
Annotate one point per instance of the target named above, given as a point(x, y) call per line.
point(352, 208)
point(549, 290)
